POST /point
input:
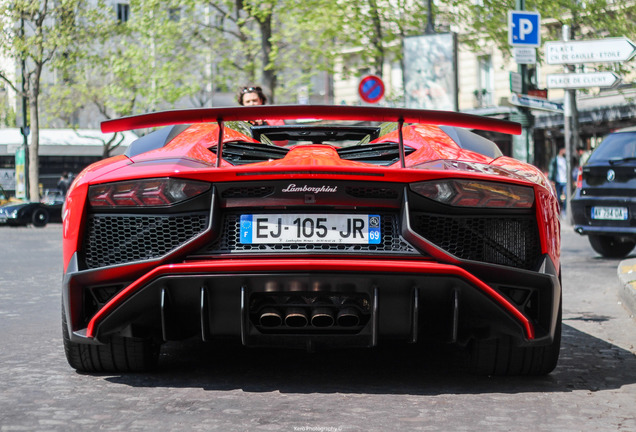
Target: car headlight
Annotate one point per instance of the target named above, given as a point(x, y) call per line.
point(476, 193)
point(145, 192)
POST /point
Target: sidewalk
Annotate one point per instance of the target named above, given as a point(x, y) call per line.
point(627, 288)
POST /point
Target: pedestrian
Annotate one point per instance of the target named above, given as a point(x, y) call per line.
point(254, 95)
point(558, 172)
point(63, 183)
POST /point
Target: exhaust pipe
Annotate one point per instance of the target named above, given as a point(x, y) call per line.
point(270, 317)
point(322, 315)
point(296, 316)
point(348, 316)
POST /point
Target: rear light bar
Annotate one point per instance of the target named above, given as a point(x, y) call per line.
point(145, 192)
point(471, 193)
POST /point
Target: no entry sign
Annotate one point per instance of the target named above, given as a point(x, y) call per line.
point(371, 89)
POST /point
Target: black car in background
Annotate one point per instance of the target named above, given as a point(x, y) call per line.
point(49, 209)
point(604, 205)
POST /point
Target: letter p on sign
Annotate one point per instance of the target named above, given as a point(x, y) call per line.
point(524, 28)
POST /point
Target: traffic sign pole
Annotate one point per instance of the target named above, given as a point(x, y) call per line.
point(524, 31)
point(570, 112)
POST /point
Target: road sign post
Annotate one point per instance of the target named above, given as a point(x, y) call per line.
point(524, 33)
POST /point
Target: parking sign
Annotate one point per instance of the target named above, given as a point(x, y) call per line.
point(524, 28)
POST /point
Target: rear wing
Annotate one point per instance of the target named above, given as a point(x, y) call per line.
point(324, 112)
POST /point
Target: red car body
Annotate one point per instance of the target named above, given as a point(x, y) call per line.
point(420, 231)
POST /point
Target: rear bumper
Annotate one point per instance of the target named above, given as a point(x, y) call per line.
point(396, 299)
point(606, 230)
point(585, 225)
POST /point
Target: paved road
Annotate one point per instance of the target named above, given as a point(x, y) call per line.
point(226, 388)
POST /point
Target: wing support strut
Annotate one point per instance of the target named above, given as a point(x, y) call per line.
point(219, 145)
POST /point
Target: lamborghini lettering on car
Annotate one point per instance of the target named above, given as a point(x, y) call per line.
point(345, 227)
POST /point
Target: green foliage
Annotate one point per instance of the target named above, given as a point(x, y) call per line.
point(486, 21)
point(154, 61)
point(7, 115)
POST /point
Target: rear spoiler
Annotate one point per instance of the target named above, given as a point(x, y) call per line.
point(324, 112)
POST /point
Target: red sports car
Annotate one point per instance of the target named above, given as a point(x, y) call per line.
point(344, 227)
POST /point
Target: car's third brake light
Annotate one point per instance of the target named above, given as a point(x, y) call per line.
point(145, 192)
point(471, 193)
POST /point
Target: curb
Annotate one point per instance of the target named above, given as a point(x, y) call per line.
point(627, 290)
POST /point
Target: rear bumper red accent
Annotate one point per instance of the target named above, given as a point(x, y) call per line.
point(360, 266)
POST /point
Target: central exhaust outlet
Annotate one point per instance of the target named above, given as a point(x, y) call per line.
point(303, 311)
point(322, 314)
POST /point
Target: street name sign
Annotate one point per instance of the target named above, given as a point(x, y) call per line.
point(535, 102)
point(590, 51)
point(524, 28)
point(582, 80)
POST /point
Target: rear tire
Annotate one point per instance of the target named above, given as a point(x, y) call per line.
point(501, 357)
point(120, 354)
point(610, 246)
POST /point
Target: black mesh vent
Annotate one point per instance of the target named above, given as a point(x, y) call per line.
point(511, 241)
point(392, 242)
point(372, 192)
point(117, 239)
point(383, 153)
point(248, 192)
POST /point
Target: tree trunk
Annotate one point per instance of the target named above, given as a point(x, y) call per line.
point(269, 74)
point(376, 38)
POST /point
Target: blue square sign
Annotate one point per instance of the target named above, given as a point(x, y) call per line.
point(524, 28)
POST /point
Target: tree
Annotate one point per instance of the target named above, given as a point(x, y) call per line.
point(131, 66)
point(238, 31)
point(37, 32)
point(379, 26)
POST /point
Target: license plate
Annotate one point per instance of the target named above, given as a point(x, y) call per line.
point(3, 219)
point(609, 213)
point(310, 228)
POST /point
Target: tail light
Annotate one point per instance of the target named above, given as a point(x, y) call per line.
point(475, 193)
point(579, 178)
point(145, 192)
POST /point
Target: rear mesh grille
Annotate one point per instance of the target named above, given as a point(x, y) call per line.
point(248, 192)
point(511, 241)
point(118, 239)
point(392, 242)
point(372, 192)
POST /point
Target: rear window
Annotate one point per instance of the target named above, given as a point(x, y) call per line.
point(615, 146)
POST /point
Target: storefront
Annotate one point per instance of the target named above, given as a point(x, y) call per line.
point(61, 150)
